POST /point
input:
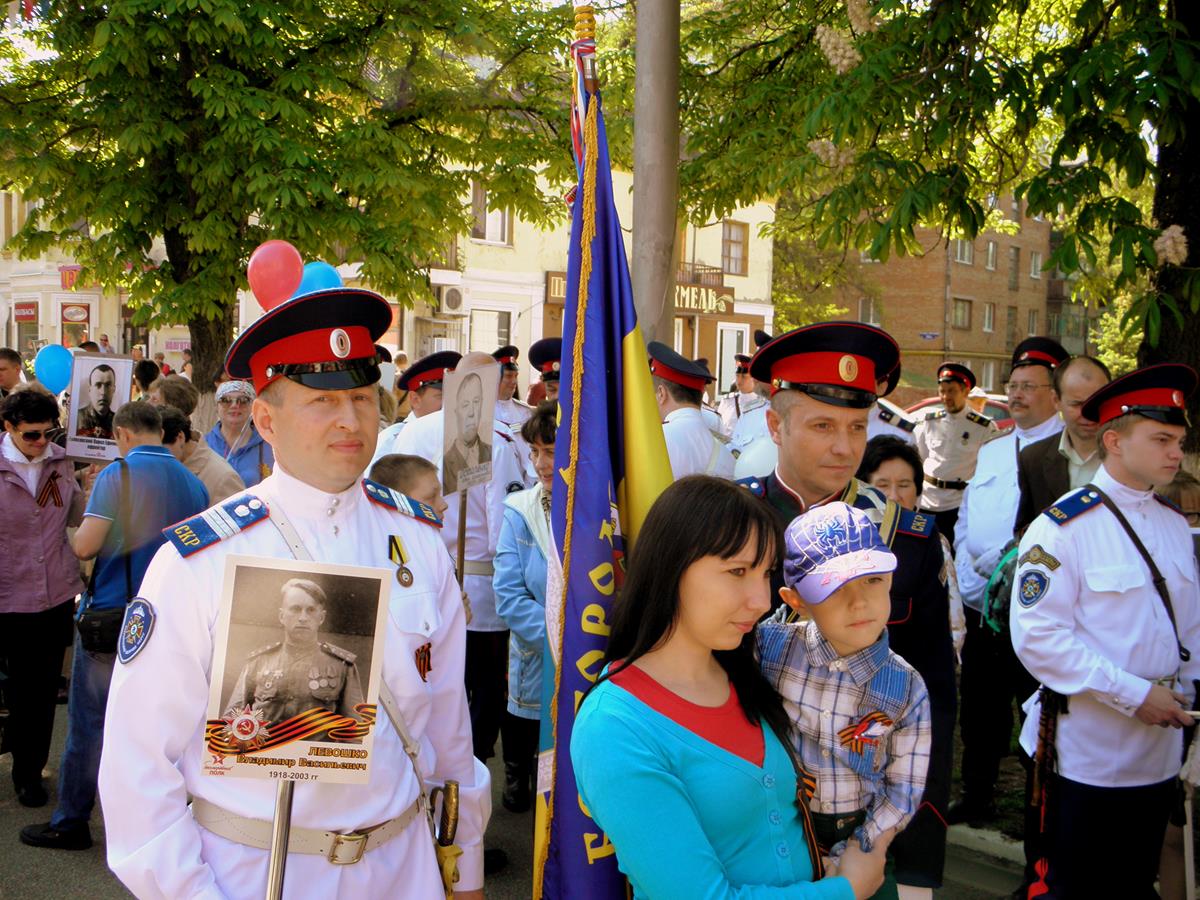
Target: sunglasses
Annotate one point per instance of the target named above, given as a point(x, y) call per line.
point(234, 401)
point(33, 435)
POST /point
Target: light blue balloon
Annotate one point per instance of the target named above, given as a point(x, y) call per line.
point(318, 276)
point(52, 366)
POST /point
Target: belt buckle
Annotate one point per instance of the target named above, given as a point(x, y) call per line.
point(356, 839)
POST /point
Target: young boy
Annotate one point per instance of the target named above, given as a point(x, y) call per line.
point(412, 475)
point(861, 713)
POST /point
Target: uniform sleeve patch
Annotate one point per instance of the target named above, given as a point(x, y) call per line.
point(1032, 587)
point(135, 629)
point(1037, 556)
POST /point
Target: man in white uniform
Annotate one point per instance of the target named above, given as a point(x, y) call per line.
point(313, 363)
point(678, 387)
point(511, 413)
point(742, 399)
point(1089, 623)
point(992, 678)
point(423, 382)
point(949, 441)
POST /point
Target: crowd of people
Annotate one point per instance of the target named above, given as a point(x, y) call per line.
point(830, 587)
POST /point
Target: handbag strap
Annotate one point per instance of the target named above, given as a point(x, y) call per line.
point(1160, 583)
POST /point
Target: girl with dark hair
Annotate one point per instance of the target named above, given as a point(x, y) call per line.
point(681, 750)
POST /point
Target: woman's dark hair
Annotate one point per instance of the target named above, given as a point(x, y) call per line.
point(695, 517)
point(29, 405)
point(542, 425)
point(886, 447)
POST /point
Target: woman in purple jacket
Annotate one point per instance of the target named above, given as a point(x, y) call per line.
point(39, 579)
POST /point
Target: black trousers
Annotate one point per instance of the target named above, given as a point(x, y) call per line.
point(32, 647)
point(1105, 842)
point(946, 520)
point(992, 680)
point(486, 677)
point(520, 742)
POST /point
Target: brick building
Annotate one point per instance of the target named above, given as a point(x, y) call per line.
point(968, 301)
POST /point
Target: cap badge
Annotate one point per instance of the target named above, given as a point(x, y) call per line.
point(1177, 398)
point(339, 343)
point(848, 368)
point(555, 367)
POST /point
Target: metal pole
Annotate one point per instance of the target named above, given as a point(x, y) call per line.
point(281, 826)
point(655, 165)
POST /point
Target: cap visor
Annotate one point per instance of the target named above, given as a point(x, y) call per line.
point(819, 584)
point(337, 381)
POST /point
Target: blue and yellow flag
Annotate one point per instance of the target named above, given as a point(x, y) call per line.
point(611, 463)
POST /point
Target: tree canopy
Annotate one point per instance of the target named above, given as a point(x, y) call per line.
point(351, 129)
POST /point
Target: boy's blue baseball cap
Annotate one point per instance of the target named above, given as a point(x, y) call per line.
point(830, 545)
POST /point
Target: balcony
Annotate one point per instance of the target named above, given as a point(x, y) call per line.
point(700, 274)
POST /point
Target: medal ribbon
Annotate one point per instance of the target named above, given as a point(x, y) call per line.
point(297, 728)
point(50, 491)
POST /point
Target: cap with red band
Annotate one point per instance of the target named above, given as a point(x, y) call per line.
point(1156, 392)
point(324, 340)
point(507, 357)
point(1039, 351)
point(840, 363)
point(957, 373)
point(428, 370)
point(676, 368)
point(546, 356)
point(741, 363)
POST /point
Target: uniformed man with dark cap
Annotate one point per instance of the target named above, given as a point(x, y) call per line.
point(679, 388)
point(948, 441)
point(825, 377)
point(992, 679)
point(1105, 614)
point(423, 382)
point(743, 398)
point(511, 413)
point(313, 363)
point(546, 356)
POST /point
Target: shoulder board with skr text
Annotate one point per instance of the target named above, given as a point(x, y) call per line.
point(216, 524)
point(1073, 505)
point(401, 503)
point(754, 485)
point(917, 524)
point(978, 419)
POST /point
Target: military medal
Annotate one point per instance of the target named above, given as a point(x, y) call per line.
point(399, 556)
point(245, 728)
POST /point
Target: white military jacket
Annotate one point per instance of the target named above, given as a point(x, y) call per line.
point(989, 505)
point(1088, 623)
point(949, 446)
point(693, 448)
point(154, 732)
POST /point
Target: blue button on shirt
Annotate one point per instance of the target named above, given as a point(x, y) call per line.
point(161, 493)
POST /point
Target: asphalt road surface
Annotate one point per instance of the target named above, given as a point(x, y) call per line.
point(32, 874)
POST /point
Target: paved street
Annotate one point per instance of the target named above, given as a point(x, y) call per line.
point(29, 874)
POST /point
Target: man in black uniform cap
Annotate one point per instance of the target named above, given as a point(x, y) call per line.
point(825, 377)
point(546, 357)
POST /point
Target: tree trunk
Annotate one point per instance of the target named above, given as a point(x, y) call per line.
point(1175, 195)
point(210, 342)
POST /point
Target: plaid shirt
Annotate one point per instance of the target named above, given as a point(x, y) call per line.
point(862, 723)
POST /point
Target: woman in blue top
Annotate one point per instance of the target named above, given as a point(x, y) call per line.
point(235, 438)
point(520, 584)
point(677, 749)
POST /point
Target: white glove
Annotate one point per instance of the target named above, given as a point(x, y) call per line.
point(985, 564)
point(1190, 773)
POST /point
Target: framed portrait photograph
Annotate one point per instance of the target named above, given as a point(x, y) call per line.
point(101, 383)
point(296, 671)
point(469, 404)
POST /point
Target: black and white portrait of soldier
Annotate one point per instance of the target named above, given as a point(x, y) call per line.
point(94, 419)
point(469, 414)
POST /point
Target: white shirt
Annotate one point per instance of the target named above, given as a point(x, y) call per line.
point(30, 470)
point(693, 448)
point(989, 505)
point(510, 416)
point(750, 426)
point(154, 731)
point(949, 445)
point(736, 404)
point(1088, 623)
point(386, 442)
point(887, 418)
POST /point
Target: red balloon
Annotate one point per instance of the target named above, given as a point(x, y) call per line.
point(274, 273)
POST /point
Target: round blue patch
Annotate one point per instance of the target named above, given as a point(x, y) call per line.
point(135, 629)
point(1033, 586)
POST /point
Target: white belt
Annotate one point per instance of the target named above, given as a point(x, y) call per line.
point(340, 849)
point(478, 567)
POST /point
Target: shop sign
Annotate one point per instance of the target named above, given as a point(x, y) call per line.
point(73, 312)
point(556, 287)
point(177, 344)
point(25, 311)
point(707, 301)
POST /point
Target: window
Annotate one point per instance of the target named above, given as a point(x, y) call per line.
point(964, 252)
point(735, 246)
point(1014, 268)
point(987, 376)
point(731, 339)
point(1035, 264)
point(989, 317)
point(991, 255)
point(678, 335)
point(962, 314)
point(1016, 208)
point(491, 225)
point(490, 328)
point(1033, 320)
point(869, 311)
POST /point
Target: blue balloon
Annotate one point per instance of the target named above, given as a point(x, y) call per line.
point(52, 366)
point(318, 276)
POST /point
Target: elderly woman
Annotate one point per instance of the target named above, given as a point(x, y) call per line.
point(39, 578)
point(520, 585)
point(234, 436)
